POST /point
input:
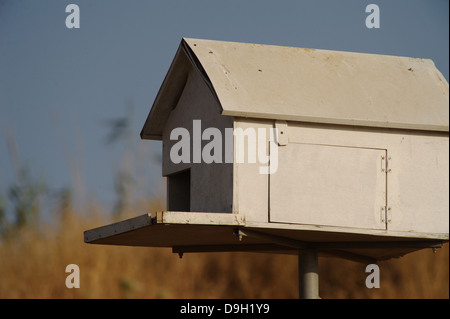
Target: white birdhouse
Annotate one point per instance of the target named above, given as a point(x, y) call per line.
point(269, 148)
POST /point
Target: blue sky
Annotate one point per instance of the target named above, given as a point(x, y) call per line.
point(60, 87)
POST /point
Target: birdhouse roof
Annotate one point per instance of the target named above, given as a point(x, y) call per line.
point(307, 85)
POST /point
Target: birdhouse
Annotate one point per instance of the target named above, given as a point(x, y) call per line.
point(269, 148)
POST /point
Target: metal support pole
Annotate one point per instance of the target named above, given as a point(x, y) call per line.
point(308, 274)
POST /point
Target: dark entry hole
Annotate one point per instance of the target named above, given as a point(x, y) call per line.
point(179, 191)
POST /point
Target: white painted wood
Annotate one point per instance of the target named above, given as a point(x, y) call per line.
point(325, 233)
point(418, 184)
point(328, 185)
point(339, 114)
point(211, 184)
point(200, 218)
point(167, 97)
point(203, 232)
point(282, 133)
point(322, 86)
point(251, 189)
point(308, 85)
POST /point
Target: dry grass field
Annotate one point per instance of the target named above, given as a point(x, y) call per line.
point(33, 262)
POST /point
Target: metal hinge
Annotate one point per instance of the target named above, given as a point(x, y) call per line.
point(386, 214)
point(385, 164)
point(389, 215)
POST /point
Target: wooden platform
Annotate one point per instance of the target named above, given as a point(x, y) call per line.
point(216, 232)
